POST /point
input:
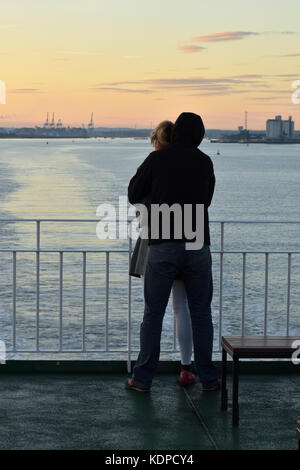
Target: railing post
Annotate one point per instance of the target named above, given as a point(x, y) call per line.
point(38, 285)
point(174, 333)
point(107, 300)
point(243, 294)
point(14, 331)
point(38, 234)
point(221, 285)
point(129, 307)
point(288, 294)
point(60, 298)
point(83, 299)
point(266, 293)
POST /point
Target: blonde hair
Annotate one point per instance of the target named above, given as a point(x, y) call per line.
point(162, 133)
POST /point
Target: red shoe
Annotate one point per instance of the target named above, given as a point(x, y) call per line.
point(186, 378)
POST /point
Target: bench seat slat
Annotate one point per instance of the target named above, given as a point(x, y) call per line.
point(259, 344)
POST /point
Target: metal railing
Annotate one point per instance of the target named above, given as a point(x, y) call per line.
point(128, 351)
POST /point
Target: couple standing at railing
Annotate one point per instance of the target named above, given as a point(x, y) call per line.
point(178, 174)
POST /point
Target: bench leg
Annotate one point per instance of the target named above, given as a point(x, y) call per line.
point(235, 392)
point(224, 398)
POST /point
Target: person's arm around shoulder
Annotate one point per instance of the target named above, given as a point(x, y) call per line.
point(141, 184)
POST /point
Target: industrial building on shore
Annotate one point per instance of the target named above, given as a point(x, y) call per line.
point(278, 131)
point(51, 129)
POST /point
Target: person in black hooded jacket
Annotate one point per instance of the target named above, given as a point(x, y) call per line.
point(183, 175)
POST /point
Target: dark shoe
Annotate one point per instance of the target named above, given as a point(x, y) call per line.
point(186, 378)
point(211, 386)
point(130, 386)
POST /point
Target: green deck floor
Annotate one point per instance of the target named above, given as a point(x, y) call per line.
point(94, 411)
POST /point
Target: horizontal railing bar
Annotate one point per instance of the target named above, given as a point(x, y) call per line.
point(254, 221)
point(20, 250)
point(17, 250)
point(67, 351)
point(50, 220)
point(122, 220)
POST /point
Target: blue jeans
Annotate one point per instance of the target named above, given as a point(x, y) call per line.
point(165, 261)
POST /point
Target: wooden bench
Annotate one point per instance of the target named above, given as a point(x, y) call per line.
point(257, 347)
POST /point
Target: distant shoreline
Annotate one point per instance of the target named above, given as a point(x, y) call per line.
point(213, 141)
point(268, 142)
point(71, 138)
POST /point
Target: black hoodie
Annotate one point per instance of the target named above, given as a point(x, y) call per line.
point(179, 173)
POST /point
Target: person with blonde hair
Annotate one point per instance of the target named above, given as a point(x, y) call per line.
point(160, 138)
point(162, 134)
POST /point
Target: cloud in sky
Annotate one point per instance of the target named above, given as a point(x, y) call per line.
point(212, 92)
point(224, 36)
point(282, 93)
point(283, 76)
point(281, 55)
point(77, 52)
point(26, 90)
point(7, 116)
point(215, 37)
point(187, 48)
point(289, 55)
point(280, 32)
point(267, 98)
point(190, 81)
point(123, 90)
point(130, 57)
point(227, 85)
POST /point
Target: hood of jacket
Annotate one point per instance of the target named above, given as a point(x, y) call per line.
point(188, 130)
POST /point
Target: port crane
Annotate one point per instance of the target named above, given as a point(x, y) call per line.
point(91, 123)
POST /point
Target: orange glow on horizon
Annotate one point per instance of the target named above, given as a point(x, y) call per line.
point(131, 66)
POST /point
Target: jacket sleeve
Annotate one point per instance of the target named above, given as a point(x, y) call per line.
point(141, 184)
point(212, 183)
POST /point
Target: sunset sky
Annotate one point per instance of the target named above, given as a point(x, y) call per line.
point(133, 62)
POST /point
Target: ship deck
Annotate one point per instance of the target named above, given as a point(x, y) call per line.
point(85, 406)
